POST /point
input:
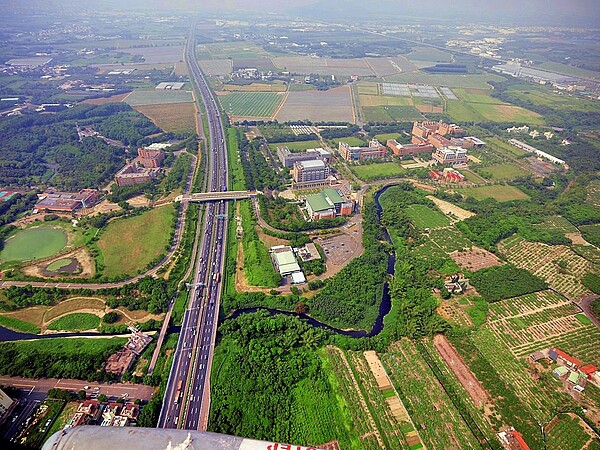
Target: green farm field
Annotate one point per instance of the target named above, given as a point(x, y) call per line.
point(471, 95)
point(76, 322)
point(391, 113)
point(541, 96)
point(501, 192)
point(460, 111)
point(251, 104)
point(33, 243)
point(154, 97)
point(377, 171)
point(425, 217)
point(129, 245)
point(429, 54)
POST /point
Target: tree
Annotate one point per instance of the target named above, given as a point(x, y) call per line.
point(81, 395)
point(102, 398)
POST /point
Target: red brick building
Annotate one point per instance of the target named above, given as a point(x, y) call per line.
point(373, 151)
point(409, 149)
point(150, 158)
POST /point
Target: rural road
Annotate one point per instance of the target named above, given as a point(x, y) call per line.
point(115, 390)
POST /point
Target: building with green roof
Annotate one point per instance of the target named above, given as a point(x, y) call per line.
point(327, 204)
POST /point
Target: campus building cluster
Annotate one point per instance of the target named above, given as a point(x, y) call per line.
point(144, 168)
point(327, 204)
point(92, 412)
point(375, 150)
point(310, 168)
point(67, 202)
point(289, 158)
point(541, 154)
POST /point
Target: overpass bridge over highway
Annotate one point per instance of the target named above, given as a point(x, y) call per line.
point(216, 196)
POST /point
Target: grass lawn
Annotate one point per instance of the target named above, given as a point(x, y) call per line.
point(377, 171)
point(129, 245)
point(500, 192)
point(33, 243)
point(473, 177)
point(425, 217)
point(504, 171)
point(298, 146)
point(15, 324)
point(59, 264)
point(351, 141)
point(76, 322)
point(504, 148)
point(383, 138)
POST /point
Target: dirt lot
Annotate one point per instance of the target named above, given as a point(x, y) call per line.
point(466, 378)
point(383, 381)
point(171, 116)
point(82, 256)
point(475, 258)
point(450, 209)
point(103, 100)
point(331, 105)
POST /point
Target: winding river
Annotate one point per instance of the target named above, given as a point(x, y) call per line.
point(384, 307)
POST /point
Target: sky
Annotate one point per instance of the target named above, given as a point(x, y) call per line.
point(533, 12)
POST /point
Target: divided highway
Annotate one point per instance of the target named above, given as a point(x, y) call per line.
point(187, 396)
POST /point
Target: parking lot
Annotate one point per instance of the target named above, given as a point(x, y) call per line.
point(343, 247)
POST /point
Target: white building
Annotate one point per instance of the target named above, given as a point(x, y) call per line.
point(5, 404)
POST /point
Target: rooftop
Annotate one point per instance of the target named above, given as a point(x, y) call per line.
point(312, 164)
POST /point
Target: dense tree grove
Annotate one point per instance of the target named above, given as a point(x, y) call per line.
point(268, 380)
point(67, 360)
point(147, 294)
point(36, 147)
point(258, 173)
point(497, 283)
point(285, 215)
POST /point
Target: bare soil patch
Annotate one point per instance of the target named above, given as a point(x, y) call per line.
point(383, 381)
point(34, 315)
point(81, 255)
point(450, 209)
point(75, 304)
point(171, 116)
point(577, 238)
point(475, 258)
point(466, 378)
point(139, 201)
point(331, 105)
point(104, 100)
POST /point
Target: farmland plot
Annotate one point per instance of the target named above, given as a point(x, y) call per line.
point(251, 104)
point(560, 266)
point(438, 421)
point(331, 105)
point(538, 318)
